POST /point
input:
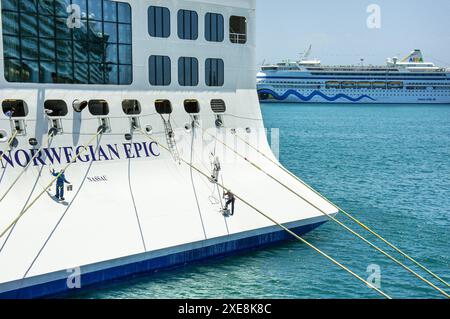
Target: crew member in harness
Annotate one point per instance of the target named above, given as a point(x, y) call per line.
point(60, 184)
point(229, 196)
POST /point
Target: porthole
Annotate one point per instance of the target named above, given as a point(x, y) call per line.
point(55, 108)
point(191, 106)
point(131, 107)
point(15, 108)
point(163, 107)
point(98, 107)
point(218, 106)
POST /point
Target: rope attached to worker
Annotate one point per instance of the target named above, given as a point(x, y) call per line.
point(275, 222)
point(336, 220)
point(100, 131)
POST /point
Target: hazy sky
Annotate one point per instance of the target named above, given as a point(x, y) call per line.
point(338, 31)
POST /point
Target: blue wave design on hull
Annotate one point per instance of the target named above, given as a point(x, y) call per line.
point(312, 95)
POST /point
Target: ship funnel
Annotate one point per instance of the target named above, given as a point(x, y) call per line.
point(414, 57)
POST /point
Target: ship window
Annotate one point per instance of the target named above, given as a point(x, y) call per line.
point(163, 107)
point(188, 71)
point(218, 106)
point(214, 27)
point(192, 106)
point(238, 29)
point(15, 108)
point(160, 70)
point(214, 72)
point(159, 22)
point(98, 107)
point(131, 107)
point(55, 108)
point(187, 25)
point(54, 42)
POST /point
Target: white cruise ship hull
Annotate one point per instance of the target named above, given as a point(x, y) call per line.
point(135, 207)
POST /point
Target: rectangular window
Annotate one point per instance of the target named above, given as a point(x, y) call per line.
point(187, 25)
point(53, 42)
point(214, 27)
point(160, 70)
point(238, 29)
point(159, 22)
point(214, 72)
point(188, 71)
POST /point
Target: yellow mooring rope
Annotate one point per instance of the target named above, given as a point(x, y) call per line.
point(358, 222)
point(99, 132)
point(26, 167)
point(336, 221)
point(277, 223)
point(10, 141)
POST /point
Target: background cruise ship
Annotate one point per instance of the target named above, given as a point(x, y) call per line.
point(410, 80)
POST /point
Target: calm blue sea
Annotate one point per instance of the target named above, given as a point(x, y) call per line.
point(390, 165)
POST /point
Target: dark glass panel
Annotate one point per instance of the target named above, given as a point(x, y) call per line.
point(61, 8)
point(159, 22)
point(111, 53)
point(81, 51)
point(95, 31)
point(11, 47)
point(29, 48)
point(111, 74)
point(96, 52)
point(166, 23)
point(10, 23)
point(30, 71)
point(47, 49)
point(46, 27)
point(28, 5)
point(64, 50)
point(220, 28)
point(110, 32)
point(124, 12)
point(65, 72)
point(125, 33)
point(46, 7)
point(125, 54)
point(13, 70)
point(81, 73)
point(110, 11)
point(10, 5)
point(96, 73)
point(62, 31)
point(47, 72)
point(95, 10)
point(125, 74)
point(83, 7)
point(28, 24)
